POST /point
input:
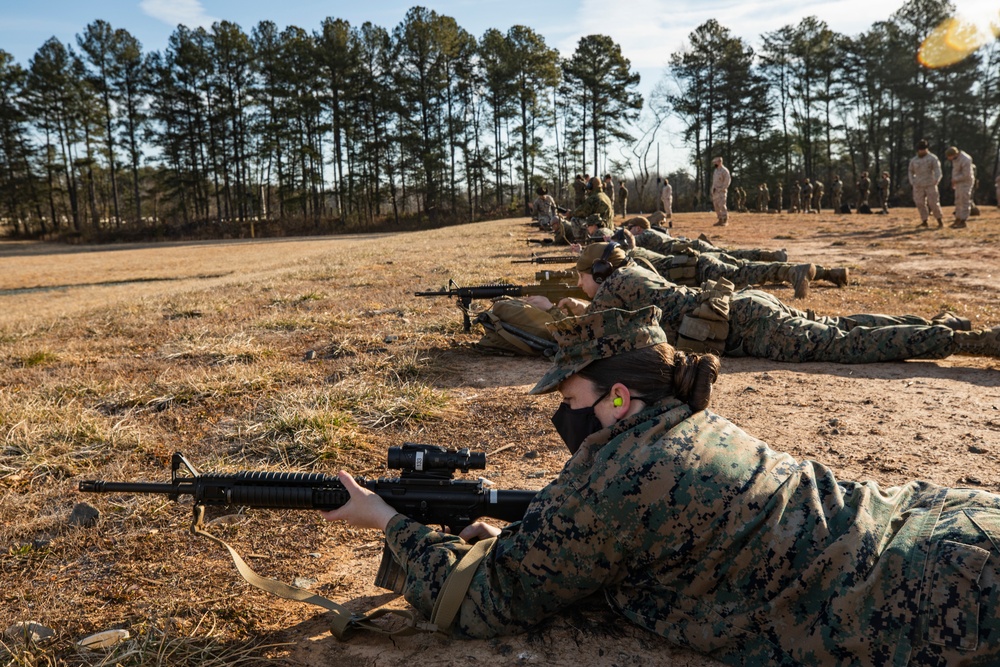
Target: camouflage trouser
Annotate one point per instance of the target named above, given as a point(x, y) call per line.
point(963, 200)
point(957, 607)
point(819, 201)
point(719, 202)
point(835, 202)
point(751, 255)
point(797, 203)
point(762, 326)
point(928, 201)
point(742, 273)
point(624, 201)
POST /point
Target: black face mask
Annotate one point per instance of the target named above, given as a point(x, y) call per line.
point(575, 425)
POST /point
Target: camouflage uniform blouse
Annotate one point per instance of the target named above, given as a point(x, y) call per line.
point(596, 206)
point(703, 534)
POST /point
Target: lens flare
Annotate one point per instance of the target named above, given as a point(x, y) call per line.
point(956, 38)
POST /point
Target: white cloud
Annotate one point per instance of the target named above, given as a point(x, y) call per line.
point(649, 31)
point(173, 12)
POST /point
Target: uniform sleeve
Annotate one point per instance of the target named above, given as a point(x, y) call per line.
point(561, 553)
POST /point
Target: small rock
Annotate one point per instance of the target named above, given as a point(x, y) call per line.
point(834, 422)
point(531, 454)
point(390, 339)
point(974, 449)
point(29, 632)
point(315, 554)
point(84, 514)
point(919, 436)
point(834, 431)
point(536, 475)
point(751, 389)
point(951, 274)
point(105, 639)
point(309, 355)
point(304, 582)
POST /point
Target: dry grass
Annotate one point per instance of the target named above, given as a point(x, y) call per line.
point(305, 354)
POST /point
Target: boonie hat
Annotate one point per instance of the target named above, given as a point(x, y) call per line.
point(952, 151)
point(640, 220)
point(606, 333)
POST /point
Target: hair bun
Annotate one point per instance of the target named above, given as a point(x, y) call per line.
point(694, 375)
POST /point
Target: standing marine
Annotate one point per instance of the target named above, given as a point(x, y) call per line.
point(721, 178)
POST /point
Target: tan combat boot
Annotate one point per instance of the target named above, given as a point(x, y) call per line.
point(952, 321)
point(839, 277)
point(774, 255)
point(958, 224)
point(981, 342)
point(800, 275)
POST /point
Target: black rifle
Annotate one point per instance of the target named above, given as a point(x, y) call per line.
point(547, 259)
point(552, 291)
point(424, 491)
point(539, 241)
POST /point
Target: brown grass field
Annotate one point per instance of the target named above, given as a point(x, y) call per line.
point(114, 357)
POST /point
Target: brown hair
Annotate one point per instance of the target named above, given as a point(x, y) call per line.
point(658, 372)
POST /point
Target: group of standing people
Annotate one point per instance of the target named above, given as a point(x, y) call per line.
point(924, 174)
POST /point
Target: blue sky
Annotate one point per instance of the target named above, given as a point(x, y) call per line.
point(649, 31)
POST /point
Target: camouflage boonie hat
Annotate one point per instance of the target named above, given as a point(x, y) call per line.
point(637, 221)
point(594, 252)
point(586, 339)
point(951, 151)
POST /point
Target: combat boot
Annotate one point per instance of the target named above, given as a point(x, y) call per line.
point(952, 321)
point(839, 277)
point(800, 275)
point(923, 224)
point(982, 342)
point(773, 255)
point(958, 224)
point(940, 223)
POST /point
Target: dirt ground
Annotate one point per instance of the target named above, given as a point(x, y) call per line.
point(313, 354)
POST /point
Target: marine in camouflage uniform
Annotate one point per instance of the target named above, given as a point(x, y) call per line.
point(796, 203)
point(779, 196)
point(818, 196)
point(721, 179)
point(692, 262)
point(579, 190)
point(807, 196)
point(864, 187)
point(924, 174)
point(701, 533)
point(836, 194)
point(595, 209)
point(660, 241)
point(963, 176)
point(691, 267)
point(884, 185)
point(762, 326)
point(623, 197)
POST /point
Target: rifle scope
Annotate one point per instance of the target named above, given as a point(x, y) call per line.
point(424, 458)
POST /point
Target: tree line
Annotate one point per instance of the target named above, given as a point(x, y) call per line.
point(812, 103)
point(225, 131)
point(276, 131)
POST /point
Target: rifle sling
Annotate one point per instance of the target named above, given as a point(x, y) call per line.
point(345, 622)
